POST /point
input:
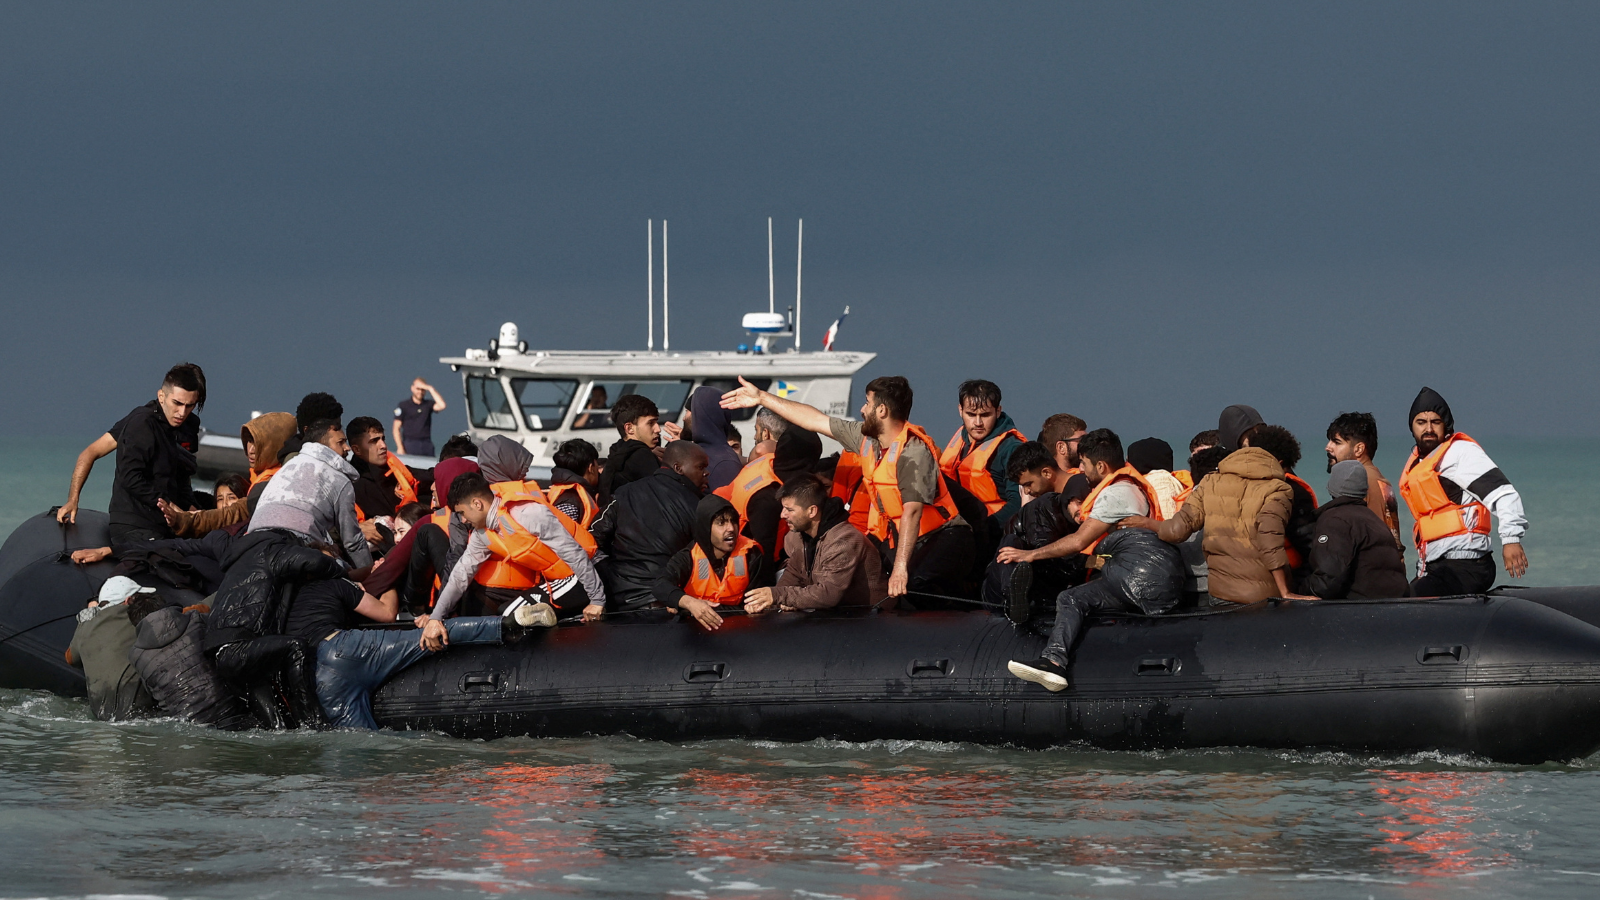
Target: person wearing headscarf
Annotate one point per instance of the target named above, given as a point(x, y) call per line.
point(709, 426)
point(1451, 487)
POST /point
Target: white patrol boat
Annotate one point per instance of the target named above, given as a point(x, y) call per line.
point(542, 398)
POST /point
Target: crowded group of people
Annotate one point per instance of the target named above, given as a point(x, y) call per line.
point(330, 530)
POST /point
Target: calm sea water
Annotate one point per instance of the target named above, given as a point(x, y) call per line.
point(166, 809)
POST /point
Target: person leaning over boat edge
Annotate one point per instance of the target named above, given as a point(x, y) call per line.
point(911, 499)
point(714, 571)
point(152, 464)
point(1451, 486)
point(829, 563)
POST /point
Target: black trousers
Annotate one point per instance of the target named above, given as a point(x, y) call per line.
point(1447, 577)
point(132, 534)
point(940, 564)
point(1071, 607)
point(276, 675)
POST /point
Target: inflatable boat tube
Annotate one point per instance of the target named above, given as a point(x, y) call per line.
point(1513, 676)
point(1500, 677)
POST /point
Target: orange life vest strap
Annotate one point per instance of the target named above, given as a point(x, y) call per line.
point(880, 475)
point(1126, 473)
point(585, 501)
point(260, 477)
point(529, 492)
point(517, 558)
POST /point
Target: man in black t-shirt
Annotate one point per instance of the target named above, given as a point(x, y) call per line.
point(151, 463)
point(187, 434)
point(413, 420)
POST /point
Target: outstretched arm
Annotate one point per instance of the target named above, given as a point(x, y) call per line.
point(1089, 532)
point(102, 445)
point(748, 395)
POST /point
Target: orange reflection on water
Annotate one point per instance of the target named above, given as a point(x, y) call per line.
point(1427, 828)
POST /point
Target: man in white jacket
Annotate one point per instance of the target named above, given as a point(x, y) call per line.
point(1451, 487)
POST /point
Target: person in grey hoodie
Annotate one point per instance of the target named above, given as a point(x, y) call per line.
point(313, 496)
point(709, 426)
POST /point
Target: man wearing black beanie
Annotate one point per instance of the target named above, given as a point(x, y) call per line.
point(1451, 486)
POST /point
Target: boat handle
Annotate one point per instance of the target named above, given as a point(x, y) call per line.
point(1434, 656)
point(705, 671)
point(929, 668)
point(1159, 665)
point(480, 681)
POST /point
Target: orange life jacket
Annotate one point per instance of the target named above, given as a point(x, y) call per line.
point(405, 486)
point(756, 476)
point(260, 477)
point(880, 476)
point(586, 501)
point(1126, 473)
point(973, 470)
point(1435, 514)
point(1296, 560)
point(518, 560)
point(529, 492)
point(849, 486)
point(729, 589)
point(1184, 478)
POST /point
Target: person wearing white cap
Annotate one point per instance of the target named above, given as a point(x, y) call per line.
point(100, 648)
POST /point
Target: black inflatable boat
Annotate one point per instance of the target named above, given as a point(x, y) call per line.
point(1514, 675)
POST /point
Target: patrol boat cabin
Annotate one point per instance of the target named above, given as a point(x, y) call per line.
point(542, 398)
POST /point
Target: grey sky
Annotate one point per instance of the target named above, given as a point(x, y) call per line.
point(1138, 213)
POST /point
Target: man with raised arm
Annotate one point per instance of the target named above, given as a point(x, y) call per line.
point(900, 467)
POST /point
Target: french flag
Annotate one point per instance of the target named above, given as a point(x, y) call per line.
point(833, 330)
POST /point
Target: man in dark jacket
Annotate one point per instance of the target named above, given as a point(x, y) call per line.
point(829, 563)
point(1047, 518)
point(647, 523)
point(169, 655)
point(797, 452)
point(249, 613)
point(151, 463)
point(1353, 555)
point(634, 456)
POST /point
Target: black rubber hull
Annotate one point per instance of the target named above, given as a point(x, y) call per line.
point(1501, 678)
point(1514, 676)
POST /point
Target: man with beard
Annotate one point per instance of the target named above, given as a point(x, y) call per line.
point(926, 545)
point(1060, 434)
point(1451, 486)
point(1354, 436)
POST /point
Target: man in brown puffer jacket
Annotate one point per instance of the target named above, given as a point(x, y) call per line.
point(1243, 507)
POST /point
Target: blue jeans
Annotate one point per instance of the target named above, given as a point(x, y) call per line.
point(353, 663)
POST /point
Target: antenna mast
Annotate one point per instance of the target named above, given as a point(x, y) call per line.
point(666, 315)
point(799, 255)
point(772, 294)
point(650, 252)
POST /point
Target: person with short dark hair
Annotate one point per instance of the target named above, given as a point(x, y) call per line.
point(1138, 572)
point(978, 454)
point(313, 496)
point(152, 464)
point(1060, 435)
point(457, 446)
point(648, 522)
point(383, 482)
point(1201, 441)
point(1302, 525)
point(926, 545)
point(638, 421)
point(1451, 486)
point(1352, 554)
point(413, 419)
point(1354, 435)
point(1049, 515)
point(828, 564)
point(715, 570)
point(575, 481)
point(186, 433)
point(517, 543)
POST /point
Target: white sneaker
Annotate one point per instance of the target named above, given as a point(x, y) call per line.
point(1042, 672)
point(541, 614)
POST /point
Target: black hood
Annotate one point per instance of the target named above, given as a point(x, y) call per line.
point(708, 509)
point(1430, 401)
point(1233, 423)
point(797, 453)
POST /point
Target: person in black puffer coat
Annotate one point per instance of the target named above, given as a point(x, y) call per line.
point(168, 654)
point(1353, 556)
point(244, 634)
point(648, 522)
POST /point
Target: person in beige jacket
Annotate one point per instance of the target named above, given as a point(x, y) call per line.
point(1243, 507)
